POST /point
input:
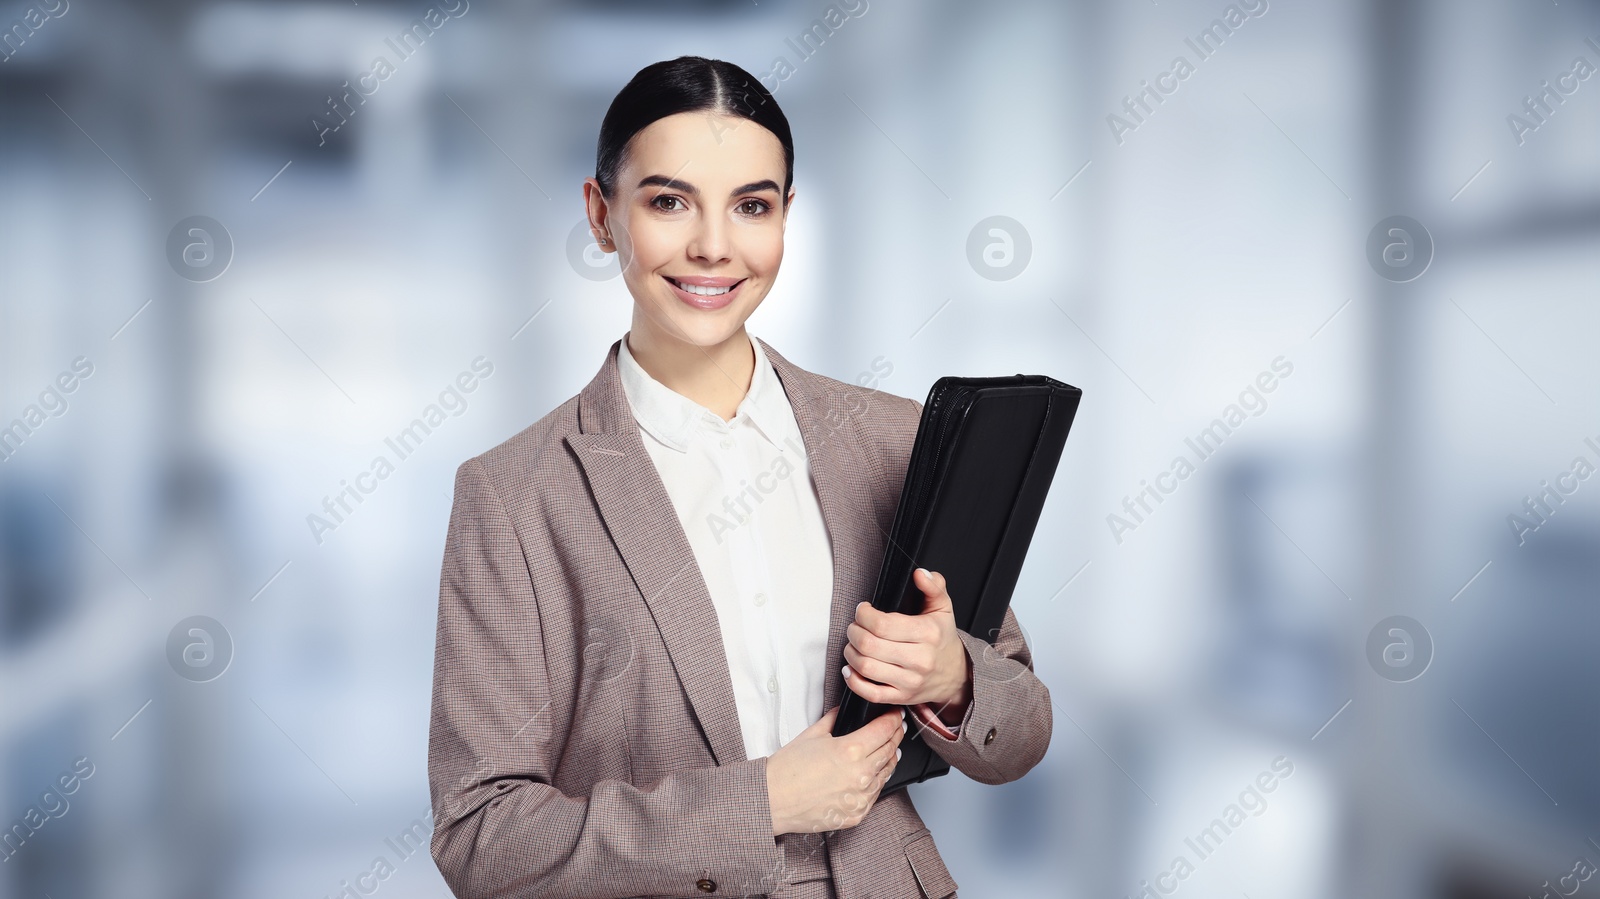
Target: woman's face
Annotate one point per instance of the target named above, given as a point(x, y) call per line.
point(698, 219)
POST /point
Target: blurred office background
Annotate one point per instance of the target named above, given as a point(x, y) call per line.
point(1230, 627)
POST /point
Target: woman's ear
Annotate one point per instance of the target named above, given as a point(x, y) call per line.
point(595, 207)
point(787, 203)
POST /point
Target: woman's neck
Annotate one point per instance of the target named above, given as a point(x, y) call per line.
point(717, 377)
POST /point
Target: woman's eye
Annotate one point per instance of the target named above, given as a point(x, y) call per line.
point(667, 199)
point(760, 207)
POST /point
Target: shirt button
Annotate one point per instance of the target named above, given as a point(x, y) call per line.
point(727, 443)
point(761, 599)
point(772, 685)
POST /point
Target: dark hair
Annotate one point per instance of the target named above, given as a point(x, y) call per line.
point(686, 84)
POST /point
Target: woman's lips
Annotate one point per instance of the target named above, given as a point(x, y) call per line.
point(708, 303)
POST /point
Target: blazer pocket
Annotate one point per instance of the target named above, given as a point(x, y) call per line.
point(928, 867)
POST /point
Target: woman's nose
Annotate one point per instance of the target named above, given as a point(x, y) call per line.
point(710, 241)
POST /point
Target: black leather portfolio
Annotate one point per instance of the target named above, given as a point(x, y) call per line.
point(985, 454)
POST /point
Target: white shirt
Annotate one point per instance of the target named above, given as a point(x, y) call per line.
point(743, 493)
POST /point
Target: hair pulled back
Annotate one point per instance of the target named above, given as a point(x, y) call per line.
point(686, 84)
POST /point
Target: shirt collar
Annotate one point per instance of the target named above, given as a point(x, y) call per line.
point(672, 418)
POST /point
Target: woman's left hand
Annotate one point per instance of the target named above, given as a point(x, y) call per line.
point(911, 658)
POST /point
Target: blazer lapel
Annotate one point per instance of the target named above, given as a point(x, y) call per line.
point(643, 524)
point(645, 528)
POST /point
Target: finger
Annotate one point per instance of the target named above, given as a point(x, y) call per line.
point(931, 583)
point(884, 736)
point(880, 672)
point(871, 692)
point(877, 734)
point(867, 616)
point(869, 738)
point(901, 652)
point(895, 752)
point(858, 685)
point(823, 725)
point(893, 626)
point(881, 756)
point(896, 735)
point(938, 602)
point(887, 721)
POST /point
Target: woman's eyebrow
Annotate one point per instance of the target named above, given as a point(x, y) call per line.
point(754, 186)
point(669, 184)
point(674, 184)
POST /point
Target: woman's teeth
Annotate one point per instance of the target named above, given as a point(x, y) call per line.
point(702, 291)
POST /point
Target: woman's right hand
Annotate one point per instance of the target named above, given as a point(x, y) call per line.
point(818, 782)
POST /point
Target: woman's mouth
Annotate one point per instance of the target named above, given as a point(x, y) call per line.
point(706, 293)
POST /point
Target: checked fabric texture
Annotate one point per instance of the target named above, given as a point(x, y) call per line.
point(584, 740)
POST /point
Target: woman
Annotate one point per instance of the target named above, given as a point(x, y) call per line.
point(650, 596)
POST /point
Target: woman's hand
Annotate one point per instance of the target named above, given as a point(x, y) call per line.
point(818, 782)
point(898, 659)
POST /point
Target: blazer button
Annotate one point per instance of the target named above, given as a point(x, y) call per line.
point(988, 737)
point(706, 885)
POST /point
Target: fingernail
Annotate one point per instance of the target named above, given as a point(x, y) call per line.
point(845, 671)
point(924, 571)
point(897, 755)
point(904, 727)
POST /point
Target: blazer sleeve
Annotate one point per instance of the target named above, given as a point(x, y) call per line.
point(500, 827)
point(1007, 725)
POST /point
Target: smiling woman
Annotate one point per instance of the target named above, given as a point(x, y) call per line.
point(692, 188)
point(632, 697)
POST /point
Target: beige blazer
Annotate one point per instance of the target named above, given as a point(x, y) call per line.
point(584, 739)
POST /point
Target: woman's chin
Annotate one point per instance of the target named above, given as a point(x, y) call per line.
point(707, 328)
point(708, 335)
